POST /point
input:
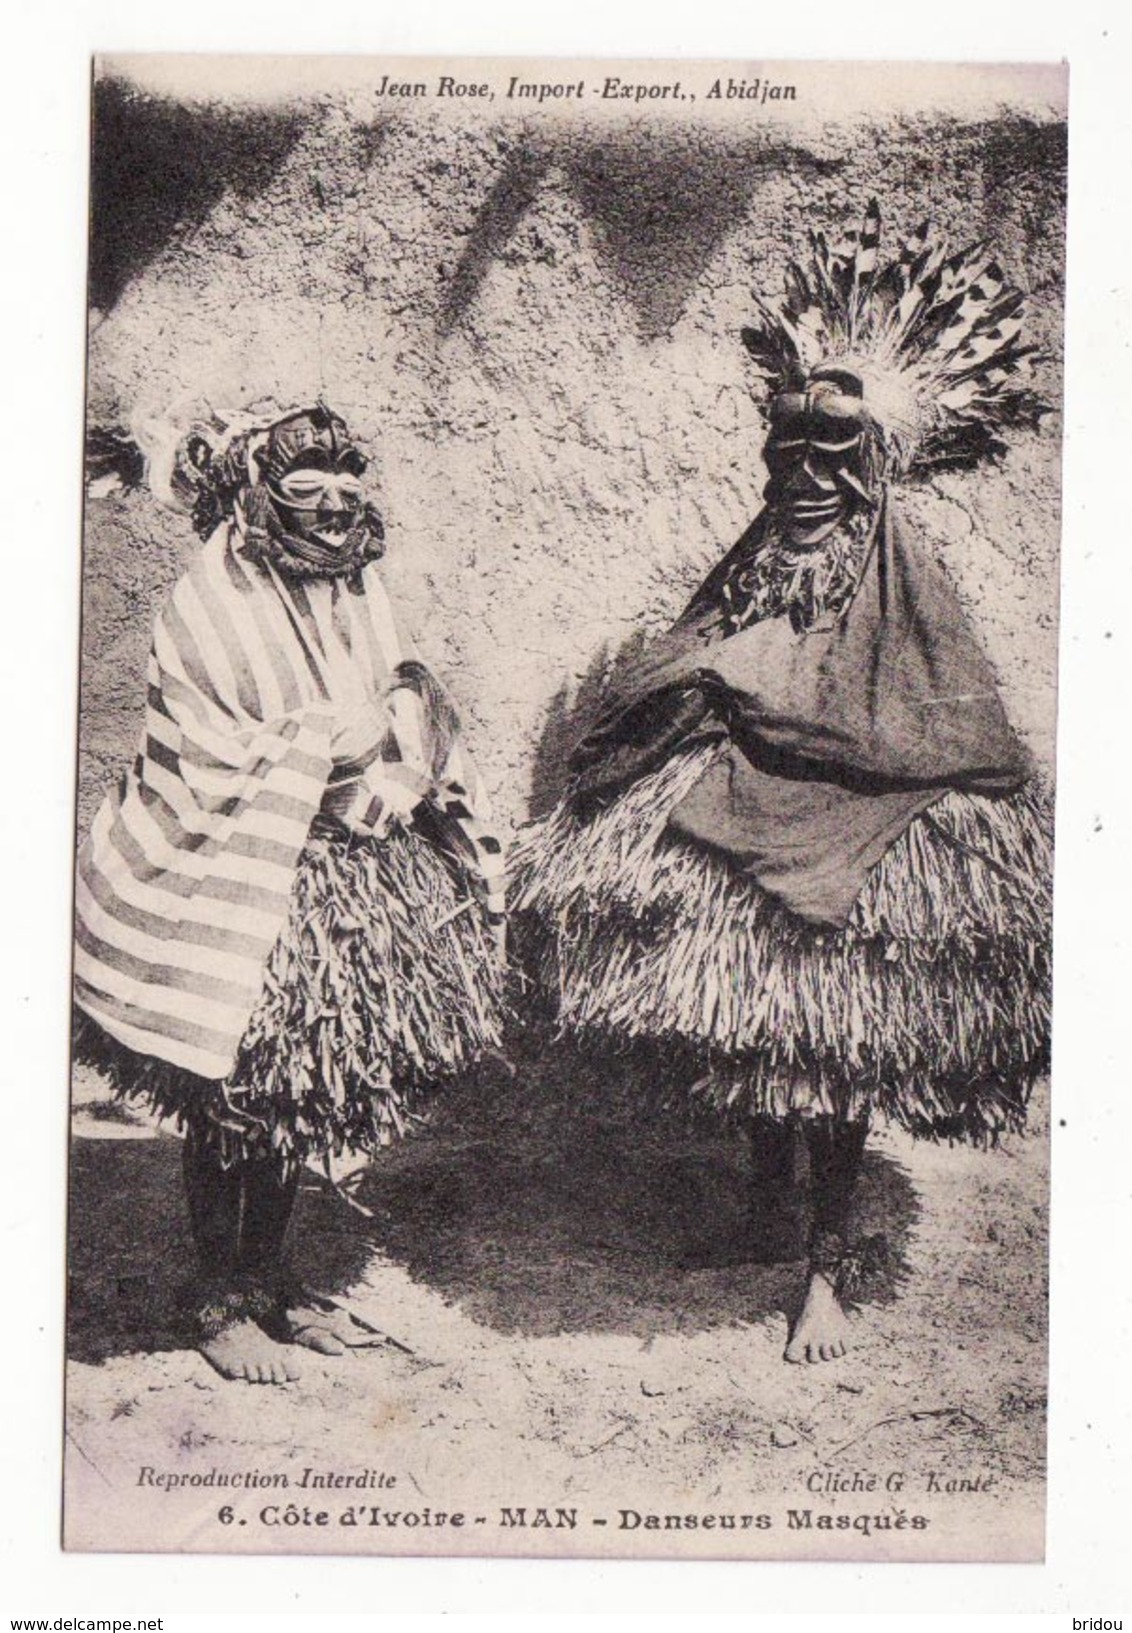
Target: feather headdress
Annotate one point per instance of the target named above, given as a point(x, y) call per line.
point(935, 337)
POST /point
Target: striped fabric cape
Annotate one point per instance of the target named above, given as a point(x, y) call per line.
point(183, 883)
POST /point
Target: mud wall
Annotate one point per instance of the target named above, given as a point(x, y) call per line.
point(534, 329)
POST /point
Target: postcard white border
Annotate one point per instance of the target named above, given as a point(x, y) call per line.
point(45, 108)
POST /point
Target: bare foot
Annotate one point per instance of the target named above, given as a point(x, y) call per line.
point(822, 1331)
point(244, 1352)
point(320, 1324)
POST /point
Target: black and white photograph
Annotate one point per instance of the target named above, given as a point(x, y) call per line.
point(563, 915)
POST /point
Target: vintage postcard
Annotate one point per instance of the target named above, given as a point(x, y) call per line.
point(565, 809)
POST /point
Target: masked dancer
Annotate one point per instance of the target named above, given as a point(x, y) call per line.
point(803, 853)
point(289, 912)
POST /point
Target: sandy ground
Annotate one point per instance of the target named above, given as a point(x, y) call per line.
point(583, 1327)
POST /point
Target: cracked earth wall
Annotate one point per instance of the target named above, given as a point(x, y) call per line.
point(534, 329)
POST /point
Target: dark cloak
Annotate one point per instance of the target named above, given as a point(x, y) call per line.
point(837, 737)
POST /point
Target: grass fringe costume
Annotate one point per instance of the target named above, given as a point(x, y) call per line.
point(802, 851)
point(828, 946)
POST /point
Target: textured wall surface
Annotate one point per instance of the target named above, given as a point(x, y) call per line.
point(534, 329)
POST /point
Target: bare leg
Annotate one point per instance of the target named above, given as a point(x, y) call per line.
point(239, 1216)
point(780, 1203)
point(822, 1331)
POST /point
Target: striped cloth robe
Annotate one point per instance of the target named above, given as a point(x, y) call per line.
point(184, 880)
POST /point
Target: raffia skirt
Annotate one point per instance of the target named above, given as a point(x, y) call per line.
point(383, 984)
point(930, 1007)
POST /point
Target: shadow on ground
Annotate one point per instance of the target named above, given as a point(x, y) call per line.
point(131, 1258)
point(549, 1204)
point(536, 1204)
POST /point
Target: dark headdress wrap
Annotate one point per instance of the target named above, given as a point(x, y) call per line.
point(837, 737)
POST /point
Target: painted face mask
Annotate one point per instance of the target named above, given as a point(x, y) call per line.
point(815, 455)
point(309, 510)
point(317, 505)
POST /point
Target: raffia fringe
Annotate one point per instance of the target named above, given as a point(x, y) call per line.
point(380, 987)
point(931, 1006)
